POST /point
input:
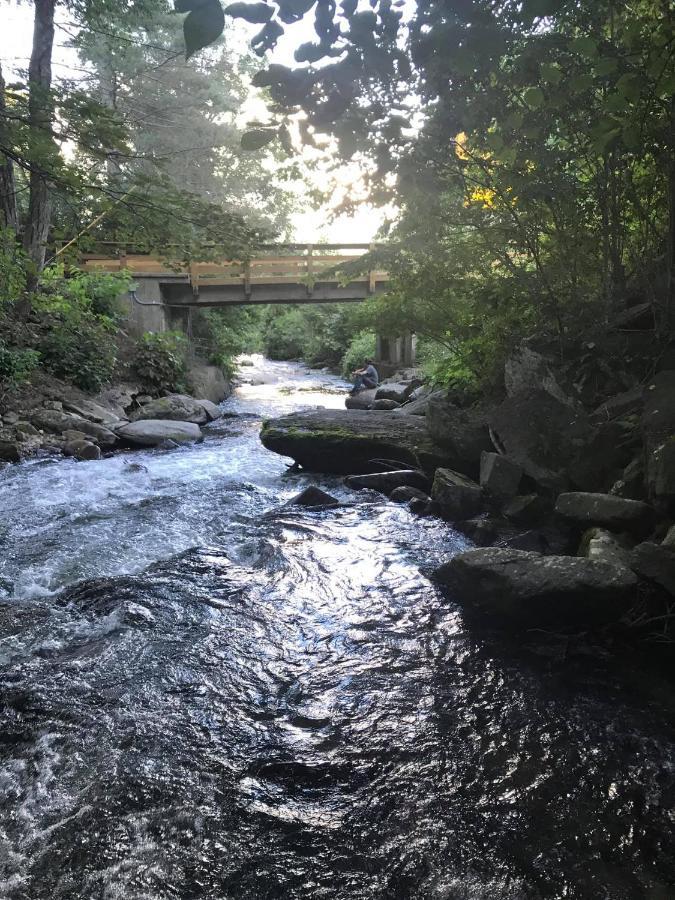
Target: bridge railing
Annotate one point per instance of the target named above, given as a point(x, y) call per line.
point(272, 264)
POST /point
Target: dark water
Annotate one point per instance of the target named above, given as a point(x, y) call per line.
point(292, 710)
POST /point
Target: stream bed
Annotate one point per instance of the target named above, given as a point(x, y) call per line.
point(204, 696)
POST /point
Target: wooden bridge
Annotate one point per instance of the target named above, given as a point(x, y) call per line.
point(279, 273)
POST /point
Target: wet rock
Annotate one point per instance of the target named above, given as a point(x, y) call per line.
point(175, 408)
point(527, 509)
point(419, 507)
point(133, 467)
point(603, 546)
point(656, 563)
point(83, 450)
point(614, 513)
point(351, 441)
point(532, 590)
point(548, 540)
point(10, 451)
point(457, 496)
point(152, 432)
point(313, 496)
point(405, 494)
point(499, 476)
point(386, 404)
point(360, 400)
point(386, 482)
point(462, 433)
point(10, 418)
point(168, 444)
point(142, 399)
point(52, 404)
point(669, 539)
point(212, 410)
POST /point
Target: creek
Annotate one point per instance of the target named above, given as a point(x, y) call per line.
point(203, 695)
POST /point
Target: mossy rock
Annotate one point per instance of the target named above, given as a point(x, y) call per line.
point(351, 441)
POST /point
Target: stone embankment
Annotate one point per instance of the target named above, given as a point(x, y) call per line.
point(57, 418)
point(570, 500)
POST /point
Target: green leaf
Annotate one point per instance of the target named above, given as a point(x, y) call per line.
point(616, 103)
point(581, 83)
point(534, 97)
point(585, 45)
point(203, 24)
point(606, 66)
point(495, 141)
point(256, 13)
point(514, 120)
point(631, 137)
point(540, 9)
point(551, 73)
point(630, 86)
point(257, 138)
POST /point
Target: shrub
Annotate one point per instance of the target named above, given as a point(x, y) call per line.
point(16, 365)
point(160, 361)
point(361, 347)
point(79, 347)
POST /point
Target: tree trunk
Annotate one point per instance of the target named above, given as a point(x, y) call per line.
point(8, 211)
point(41, 114)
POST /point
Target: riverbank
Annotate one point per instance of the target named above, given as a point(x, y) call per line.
point(569, 489)
point(46, 416)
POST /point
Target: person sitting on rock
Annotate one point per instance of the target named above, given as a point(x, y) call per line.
point(366, 377)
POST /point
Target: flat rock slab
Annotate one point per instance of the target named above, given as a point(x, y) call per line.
point(351, 441)
point(385, 482)
point(153, 432)
point(528, 589)
point(615, 513)
point(360, 400)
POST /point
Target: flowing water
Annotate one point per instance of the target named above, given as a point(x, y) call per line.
point(203, 696)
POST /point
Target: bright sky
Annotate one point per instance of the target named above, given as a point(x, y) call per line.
point(310, 225)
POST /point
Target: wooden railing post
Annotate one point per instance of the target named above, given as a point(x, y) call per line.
point(371, 273)
point(310, 270)
point(247, 278)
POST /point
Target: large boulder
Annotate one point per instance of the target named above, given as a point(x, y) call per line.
point(527, 370)
point(209, 382)
point(626, 403)
point(360, 400)
point(173, 407)
point(386, 482)
point(616, 513)
point(88, 409)
point(658, 433)
point(351, 441)
point(84, 450)
point(457, 496)
point(406, 494)
point(418, 402)
point(557, 445)
point(392, 390)
point(56, 421)
point(212, 410)
point(388, 405)
point(153, 432)
point(499, 476)
point(656, 563)
point(462, 433)
point(536, 591)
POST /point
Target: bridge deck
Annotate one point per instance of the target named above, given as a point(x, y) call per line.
point(275, 275)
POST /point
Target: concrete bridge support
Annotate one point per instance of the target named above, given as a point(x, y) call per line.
point(394, 353)
point(147, 312)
